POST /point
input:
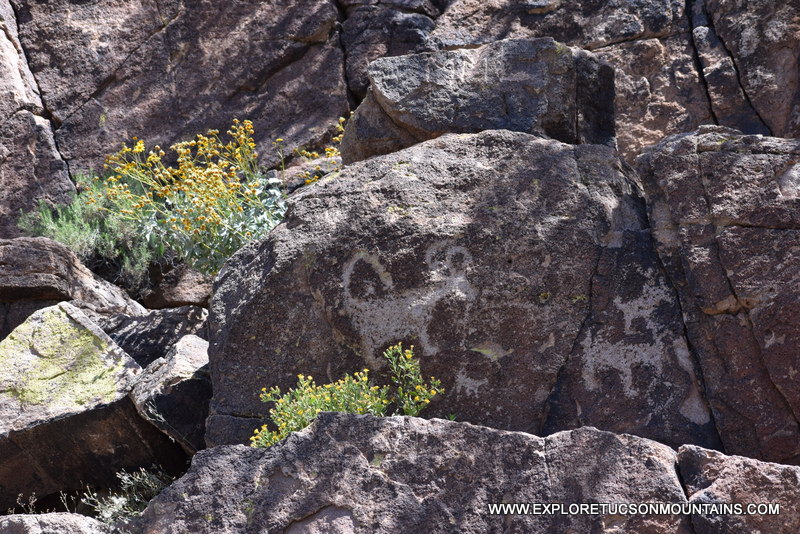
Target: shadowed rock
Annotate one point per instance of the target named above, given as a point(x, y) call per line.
point(38, 272)
point(152, 335)
point(65, 418)
point(173, 392)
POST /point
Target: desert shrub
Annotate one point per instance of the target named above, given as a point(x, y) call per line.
point(297, 408)
point(199, 210)
point(137, 488)
point(101, 238)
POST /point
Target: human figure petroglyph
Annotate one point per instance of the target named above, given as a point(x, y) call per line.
point(381, 319)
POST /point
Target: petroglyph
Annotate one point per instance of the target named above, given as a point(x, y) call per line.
point(384, 314)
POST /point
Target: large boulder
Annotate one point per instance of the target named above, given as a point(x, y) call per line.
point(725, 210)
point(173, 393)
point(31, 169)
point(39, 272)
point(534, 86)
point(165, 71)
point(53, 523)
point(150, 336)
point(713, 478)
point(65, 417)
point(520, 267)
point(360, 474)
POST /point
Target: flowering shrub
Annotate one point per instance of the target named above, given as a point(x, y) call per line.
point(206, 207)
point(295, 409)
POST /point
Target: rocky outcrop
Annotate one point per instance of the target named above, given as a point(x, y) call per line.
point(65, 418)
point(677, 69)
point(173, 393)
point(30, 166)
point(519, 267)
point(724, 210)
point(360, 474)
point(38, 272)
point(659, 87)
point(131, 69)
point(713, 478)
point(152, 335)
point(534, 86)
point(56, 523)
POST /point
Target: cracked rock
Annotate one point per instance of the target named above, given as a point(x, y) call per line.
point(725, 211)
point(31, 169)
point(763, 39)
point(360, 474)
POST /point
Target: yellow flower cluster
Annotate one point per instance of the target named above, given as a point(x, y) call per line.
point(203, 200)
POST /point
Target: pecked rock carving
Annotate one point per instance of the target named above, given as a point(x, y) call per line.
point(520, 267)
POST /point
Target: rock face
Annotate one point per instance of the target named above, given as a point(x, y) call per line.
point(763, 40)
point(30, 166)
point(711, 477)
point(51, 524)
point(65, 418)
point(39, 272)
point(199, 64)
point(534, 86)
point(728, 62)
point(173, 392)
point(360, 474)
point(726, 216)
point(152, 335)
point(519, 267)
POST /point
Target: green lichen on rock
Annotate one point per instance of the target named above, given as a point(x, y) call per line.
point(56, 361)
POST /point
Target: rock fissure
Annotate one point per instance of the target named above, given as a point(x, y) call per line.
point(698, 64)
point(352, 97)
point(693, 353)
point(737, 71)
point(574, 348)
point(109, 80)
point(45, 112)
